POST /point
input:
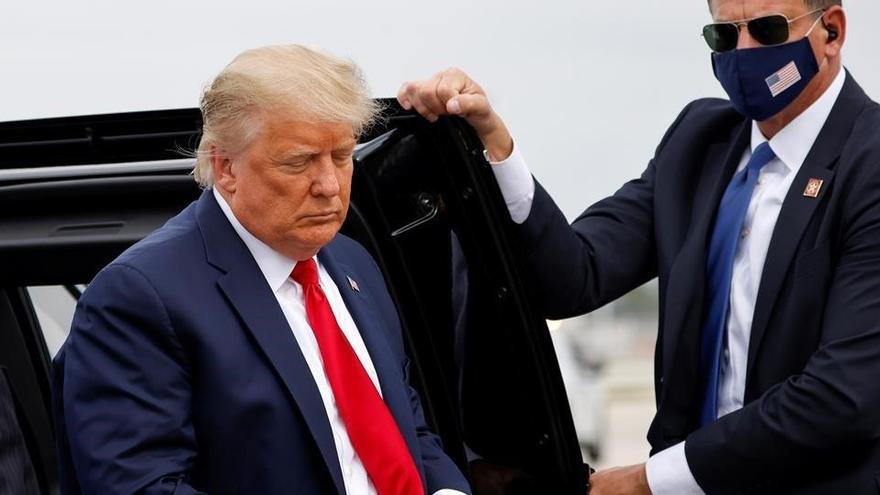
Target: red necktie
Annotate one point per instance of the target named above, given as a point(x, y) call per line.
point(371, 428)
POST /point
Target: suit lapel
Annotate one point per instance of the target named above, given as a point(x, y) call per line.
point(795, 215)
point(248, 293)
point(798, 209)
point(388, 366)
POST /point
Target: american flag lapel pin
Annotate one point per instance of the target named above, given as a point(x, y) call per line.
point(814, 186)
point(354, 285)
point(783, 79)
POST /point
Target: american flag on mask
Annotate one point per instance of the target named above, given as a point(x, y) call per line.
point(783, 79)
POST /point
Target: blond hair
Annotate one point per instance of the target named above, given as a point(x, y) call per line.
point(301, 82)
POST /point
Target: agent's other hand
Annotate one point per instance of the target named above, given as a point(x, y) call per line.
point(629, 480)
point(452, 92)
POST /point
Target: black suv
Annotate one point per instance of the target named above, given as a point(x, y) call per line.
point(75, 192)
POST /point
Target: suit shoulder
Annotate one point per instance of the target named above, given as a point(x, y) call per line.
point(857, 171)
point(708, 113)
point(710, 105)
point(861, 153)
point(865, 131)
point(172, 246)
point(702, 121)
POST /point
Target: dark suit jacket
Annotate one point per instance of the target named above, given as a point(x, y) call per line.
point(181, 374)
point(811, 423)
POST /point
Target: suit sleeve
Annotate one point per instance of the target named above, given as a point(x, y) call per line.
point(833, 405)
point(126, 391)
point(606, 252)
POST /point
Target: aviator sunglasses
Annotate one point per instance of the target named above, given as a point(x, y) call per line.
point(767, 30)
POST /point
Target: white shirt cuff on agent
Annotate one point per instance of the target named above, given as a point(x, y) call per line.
point(669, 474)
point(516, 184)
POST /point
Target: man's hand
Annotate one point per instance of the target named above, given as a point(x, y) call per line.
point(630, 480)
point(452, 92)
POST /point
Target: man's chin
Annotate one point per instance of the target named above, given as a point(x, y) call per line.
point(318, 236)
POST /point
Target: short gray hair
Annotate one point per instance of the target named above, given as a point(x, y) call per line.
point(306, 83)
point(823, 4)
point(813, 4)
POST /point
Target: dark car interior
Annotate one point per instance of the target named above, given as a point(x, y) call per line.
point(75, 192)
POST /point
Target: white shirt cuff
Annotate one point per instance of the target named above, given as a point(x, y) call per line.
point(669, 473)
point(516, 184)
point(447, 491)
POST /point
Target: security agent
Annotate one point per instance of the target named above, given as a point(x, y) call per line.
point(761, 218)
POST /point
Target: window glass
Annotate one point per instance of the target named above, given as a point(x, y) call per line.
point(54, 306)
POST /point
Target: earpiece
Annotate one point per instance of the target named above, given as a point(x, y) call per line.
point(832, 34)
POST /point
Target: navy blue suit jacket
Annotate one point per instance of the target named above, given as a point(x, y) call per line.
point(181, 374)
point(811, 421)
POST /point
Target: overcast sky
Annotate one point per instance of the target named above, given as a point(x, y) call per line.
point(587, 87)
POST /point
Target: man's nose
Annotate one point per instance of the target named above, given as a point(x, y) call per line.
point(745, 39)
point(325, 182)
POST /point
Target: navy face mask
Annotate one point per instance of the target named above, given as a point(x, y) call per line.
point(761, 82)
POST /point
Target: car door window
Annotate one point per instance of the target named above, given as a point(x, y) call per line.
point(54, 306)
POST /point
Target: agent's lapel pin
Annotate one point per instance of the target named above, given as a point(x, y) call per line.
point(814, 187)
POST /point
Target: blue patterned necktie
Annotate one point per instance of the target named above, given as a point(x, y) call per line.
point(719, 270)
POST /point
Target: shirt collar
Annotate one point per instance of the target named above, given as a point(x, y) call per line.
point(275, 266)
point(793, 143)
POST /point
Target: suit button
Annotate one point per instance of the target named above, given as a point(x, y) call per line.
point(662, 380)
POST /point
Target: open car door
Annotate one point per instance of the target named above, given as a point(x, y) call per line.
point(75, 192)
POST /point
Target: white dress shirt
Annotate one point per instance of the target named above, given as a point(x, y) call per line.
point(276, 269)
point(668, 471)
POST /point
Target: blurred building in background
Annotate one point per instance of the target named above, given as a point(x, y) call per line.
point(606, 359)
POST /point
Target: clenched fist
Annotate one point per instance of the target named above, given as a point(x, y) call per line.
point(452, 92)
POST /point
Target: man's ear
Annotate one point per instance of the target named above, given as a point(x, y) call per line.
point(224, 173)
point(834, 21)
